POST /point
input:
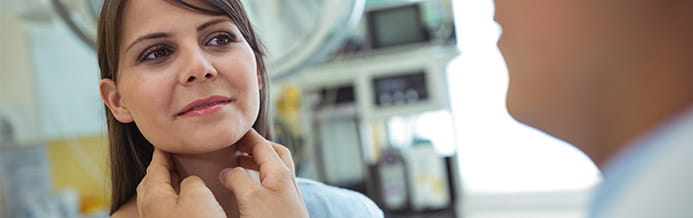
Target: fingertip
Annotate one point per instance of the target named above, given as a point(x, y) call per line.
point(253, 136)
point(254, 132)
point(249, 140)
point(192, 181)
point(158, 154)
point(158, 151)
point(222, 175)
point(162, 159)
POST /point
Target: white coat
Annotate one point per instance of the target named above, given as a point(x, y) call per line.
point(653, 178)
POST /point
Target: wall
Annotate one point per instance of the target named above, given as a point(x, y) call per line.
point(17, 89)
point(67, 78)
point(49, 92)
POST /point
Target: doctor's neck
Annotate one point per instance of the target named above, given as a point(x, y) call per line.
point(647, 85)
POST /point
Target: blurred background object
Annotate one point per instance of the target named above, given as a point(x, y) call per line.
point(6, 131)
point(363, 107)
point(310, 29)
point(401, 100)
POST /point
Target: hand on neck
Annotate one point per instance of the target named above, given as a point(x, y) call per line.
point(207, 166)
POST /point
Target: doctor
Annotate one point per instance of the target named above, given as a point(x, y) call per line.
point(615, 79)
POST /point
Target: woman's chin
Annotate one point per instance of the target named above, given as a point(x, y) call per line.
point(209, 142)
point(199, 141)
point(197, 148)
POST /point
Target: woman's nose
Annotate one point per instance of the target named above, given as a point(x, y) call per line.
point(199, 68)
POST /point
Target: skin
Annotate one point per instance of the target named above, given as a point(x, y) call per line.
point(196, 170)
point(156, 83)
point(276, 195)
point(598, 74)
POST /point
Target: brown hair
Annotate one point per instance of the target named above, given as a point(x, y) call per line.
point(130, 152)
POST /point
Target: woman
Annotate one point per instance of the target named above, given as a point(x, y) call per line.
point(185, 90)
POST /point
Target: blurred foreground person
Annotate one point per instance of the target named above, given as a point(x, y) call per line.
point(615, 79)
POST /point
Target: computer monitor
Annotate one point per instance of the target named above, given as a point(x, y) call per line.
point(396, 26)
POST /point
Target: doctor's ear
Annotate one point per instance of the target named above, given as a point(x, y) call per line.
point(111, 97)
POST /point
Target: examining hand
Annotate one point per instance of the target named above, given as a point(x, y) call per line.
point(277, 194)
point(157, 198)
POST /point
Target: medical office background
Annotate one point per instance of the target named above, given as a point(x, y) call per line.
point(402, 100)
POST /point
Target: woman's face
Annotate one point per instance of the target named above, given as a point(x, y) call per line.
point(188, 80)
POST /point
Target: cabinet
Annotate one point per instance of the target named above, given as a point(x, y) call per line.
point(48, 81)
point(17, 88)
point(66, 80)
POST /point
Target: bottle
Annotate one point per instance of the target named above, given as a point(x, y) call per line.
point(393, 180)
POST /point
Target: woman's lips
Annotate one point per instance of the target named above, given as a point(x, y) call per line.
point(205, 110)
point(205, 106)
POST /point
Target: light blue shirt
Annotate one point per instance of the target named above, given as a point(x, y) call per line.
point(653, 177)
point(328, 201)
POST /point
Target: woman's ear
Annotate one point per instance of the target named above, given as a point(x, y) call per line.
point(259, 79)
point(111, 97)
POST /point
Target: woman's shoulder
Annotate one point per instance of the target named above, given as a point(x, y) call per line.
point(329, 201)
point(322, 201)
point(128, 210)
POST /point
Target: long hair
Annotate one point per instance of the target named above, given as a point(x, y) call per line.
point(130, 153)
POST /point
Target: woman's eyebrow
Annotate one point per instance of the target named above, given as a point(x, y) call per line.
point(166, 35)
point(147, 37)
point(212, 22)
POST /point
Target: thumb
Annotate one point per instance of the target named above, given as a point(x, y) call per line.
point(239, 182)
point(193, 188)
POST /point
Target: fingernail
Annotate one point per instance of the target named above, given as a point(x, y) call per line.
point(222, 174)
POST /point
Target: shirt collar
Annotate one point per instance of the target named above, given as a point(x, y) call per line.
point(623, 168)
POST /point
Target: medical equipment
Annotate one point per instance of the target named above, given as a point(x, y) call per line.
point(348, 113)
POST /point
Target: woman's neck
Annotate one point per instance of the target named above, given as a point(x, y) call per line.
point(207, 166)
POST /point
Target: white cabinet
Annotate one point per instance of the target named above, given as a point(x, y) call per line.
point(48, 81)
point(17, 88)
point(66, 80)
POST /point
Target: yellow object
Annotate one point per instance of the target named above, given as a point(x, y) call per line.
point(289, 106)
point(91, 204)
point(81, 164)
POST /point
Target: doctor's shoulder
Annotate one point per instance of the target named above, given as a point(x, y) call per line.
point(329, 201)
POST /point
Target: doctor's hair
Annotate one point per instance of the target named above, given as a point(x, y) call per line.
point(130, 153)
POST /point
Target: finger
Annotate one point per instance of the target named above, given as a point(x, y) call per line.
point(156, 184)
point(284, 154)
point(264, 155)
point(193, 188)
point(152, 201)
point(157, 180)
point(248, 162)
point(158, 171)
point(239, 182)
point(250, 138)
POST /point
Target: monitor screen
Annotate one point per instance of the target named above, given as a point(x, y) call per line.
point(396, 26)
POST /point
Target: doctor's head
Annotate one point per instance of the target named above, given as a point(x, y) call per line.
point(574, 63)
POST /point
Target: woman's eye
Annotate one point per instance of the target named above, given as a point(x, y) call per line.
point(156, 53)
point(220, 39)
